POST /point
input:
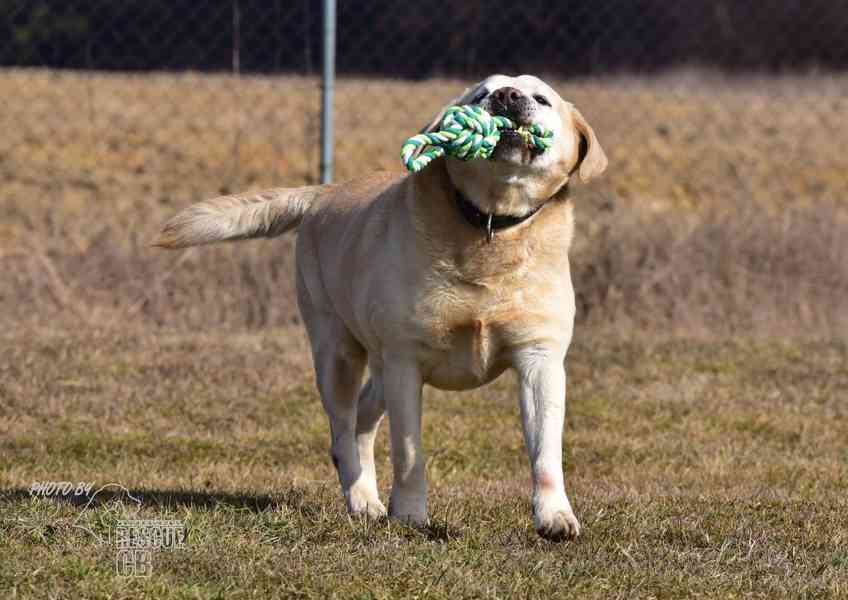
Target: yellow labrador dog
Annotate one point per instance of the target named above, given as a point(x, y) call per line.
point(446, 277)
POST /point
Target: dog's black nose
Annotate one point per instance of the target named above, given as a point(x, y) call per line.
point(511, 102)
point(508, 95)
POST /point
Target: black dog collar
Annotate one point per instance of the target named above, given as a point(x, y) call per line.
point(489, 222)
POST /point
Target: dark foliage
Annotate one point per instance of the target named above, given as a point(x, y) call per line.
point(422, 39)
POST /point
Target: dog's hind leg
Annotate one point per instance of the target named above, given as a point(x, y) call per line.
point(370, 411)
point(339, 365)
point(339, 361)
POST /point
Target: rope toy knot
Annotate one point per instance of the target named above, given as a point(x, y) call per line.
point(468, 132)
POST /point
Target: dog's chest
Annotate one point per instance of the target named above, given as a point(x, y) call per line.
point(468, 334)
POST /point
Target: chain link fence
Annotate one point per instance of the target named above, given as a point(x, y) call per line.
point(133, 108)
point(239, 77)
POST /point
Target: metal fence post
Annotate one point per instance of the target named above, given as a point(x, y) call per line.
point(328, 81)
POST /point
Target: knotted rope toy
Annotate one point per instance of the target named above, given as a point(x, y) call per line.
point(468, 132)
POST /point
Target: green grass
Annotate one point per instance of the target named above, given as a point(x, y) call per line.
point(698, 468)
point(709, 469)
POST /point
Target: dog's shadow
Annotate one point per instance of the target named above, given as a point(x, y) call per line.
point(294, 499)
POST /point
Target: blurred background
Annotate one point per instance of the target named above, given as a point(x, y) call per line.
point(705, 447)
point(724, 210)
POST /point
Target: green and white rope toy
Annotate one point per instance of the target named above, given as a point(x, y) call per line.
point(468, 132)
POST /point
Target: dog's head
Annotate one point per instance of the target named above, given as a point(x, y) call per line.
point(539, 174)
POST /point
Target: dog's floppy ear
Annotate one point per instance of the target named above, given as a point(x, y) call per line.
point(469, 96)
point(593, 160)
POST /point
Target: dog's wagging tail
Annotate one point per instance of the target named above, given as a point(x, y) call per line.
point(238, 217)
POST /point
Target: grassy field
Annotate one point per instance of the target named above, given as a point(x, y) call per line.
point(723, 210)
point(703, 469)
point(708, 383)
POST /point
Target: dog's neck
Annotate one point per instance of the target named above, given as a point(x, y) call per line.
point(489, 222)
point(501, 197)
point(505, 194)
point(447, 237)
point(504, 198)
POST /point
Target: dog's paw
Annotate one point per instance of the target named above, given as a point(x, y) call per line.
point(361, 504)
point(414, 516)
point(409, 509)
point(371, 510)
point(418, 521)
point(557, 525)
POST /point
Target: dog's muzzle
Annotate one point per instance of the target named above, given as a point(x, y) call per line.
point(511, 102)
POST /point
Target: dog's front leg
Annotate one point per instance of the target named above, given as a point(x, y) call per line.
point(542, 396)
point(402, 394)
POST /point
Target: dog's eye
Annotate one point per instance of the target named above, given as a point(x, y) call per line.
point(479, 97)
point(541, 100)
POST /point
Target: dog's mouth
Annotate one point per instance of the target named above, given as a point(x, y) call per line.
point(511, 136)
point(512, 147)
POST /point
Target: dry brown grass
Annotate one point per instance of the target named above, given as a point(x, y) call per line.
point(723, 209)
point(719, 273)
point(698, 467)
